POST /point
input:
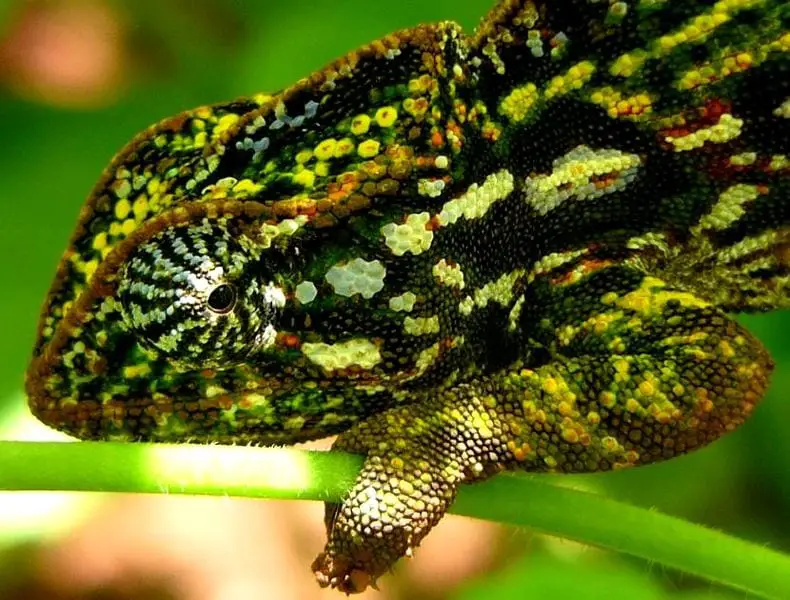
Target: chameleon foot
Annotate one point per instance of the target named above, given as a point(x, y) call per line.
point(408, 481)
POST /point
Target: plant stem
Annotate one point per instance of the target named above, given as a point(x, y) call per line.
point(298, 474)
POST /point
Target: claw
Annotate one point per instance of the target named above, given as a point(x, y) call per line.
point(339, 574)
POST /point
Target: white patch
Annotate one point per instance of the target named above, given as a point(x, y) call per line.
point(358, 352)
point(750, 245)
point(274, 295)
point(421, 325)
point(266, 338)
point(553, 261)
point(428, 357)
point(729, 207)
point(466, 306)
point(476, 201)
point(450, 275)
point(783, 110)
point(286, 227)
point(515, 313)
point(649, 240)
point(500, 291)
point(778, 162)
point(743, 159)
point(306, 292)
point(582, 174)
point(412, 236)
point(404, 302)
point(432, 188)
point(359, 276)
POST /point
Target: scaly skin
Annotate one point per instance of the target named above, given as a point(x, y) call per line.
point(516, 250)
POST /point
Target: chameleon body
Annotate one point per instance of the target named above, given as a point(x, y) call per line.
point(463, 254)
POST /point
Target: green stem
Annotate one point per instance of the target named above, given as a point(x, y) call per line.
point(297, 474)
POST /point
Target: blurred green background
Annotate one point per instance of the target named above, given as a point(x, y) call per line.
point(79, 78)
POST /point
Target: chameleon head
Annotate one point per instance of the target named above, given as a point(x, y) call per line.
point(196, 296)
point(198, 325)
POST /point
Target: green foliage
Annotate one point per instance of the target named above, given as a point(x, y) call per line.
point(518, 500)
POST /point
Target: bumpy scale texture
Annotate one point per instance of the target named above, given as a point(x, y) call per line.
point(515, 250)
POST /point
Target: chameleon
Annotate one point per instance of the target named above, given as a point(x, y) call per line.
point(518, 249)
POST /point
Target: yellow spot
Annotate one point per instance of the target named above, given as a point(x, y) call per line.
point(246, 186)
point(725, 349)
point(650, 299)
point(326, 149)
point(570, 435)
point(100, 240)
point(632, 405)
point(128, 226)
point(122, 209)
point(617, 106)
point(518, 103)
point(622, 365)
point(574, 79)
point(368, 148)
point(90, 267)
point(294, 423)
point(321, 168)
point(728, 128)
point(201, 137)
point(607, 399)
point(140, 207)
point(305, 178)
point(225, 122)
point(646, 388)
point(550, 386)
point(627, 64)
point(344, 147)
point(360, 125)
point(132, 371)
point(303, 156)
point(386, 116)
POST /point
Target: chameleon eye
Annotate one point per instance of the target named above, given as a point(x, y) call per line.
point(222, 299)
point(196, 296)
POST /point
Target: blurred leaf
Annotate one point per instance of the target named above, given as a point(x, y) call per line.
point(7, 9)
point(588, 576)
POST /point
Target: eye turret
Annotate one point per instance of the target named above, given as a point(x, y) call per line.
point(198, 296)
